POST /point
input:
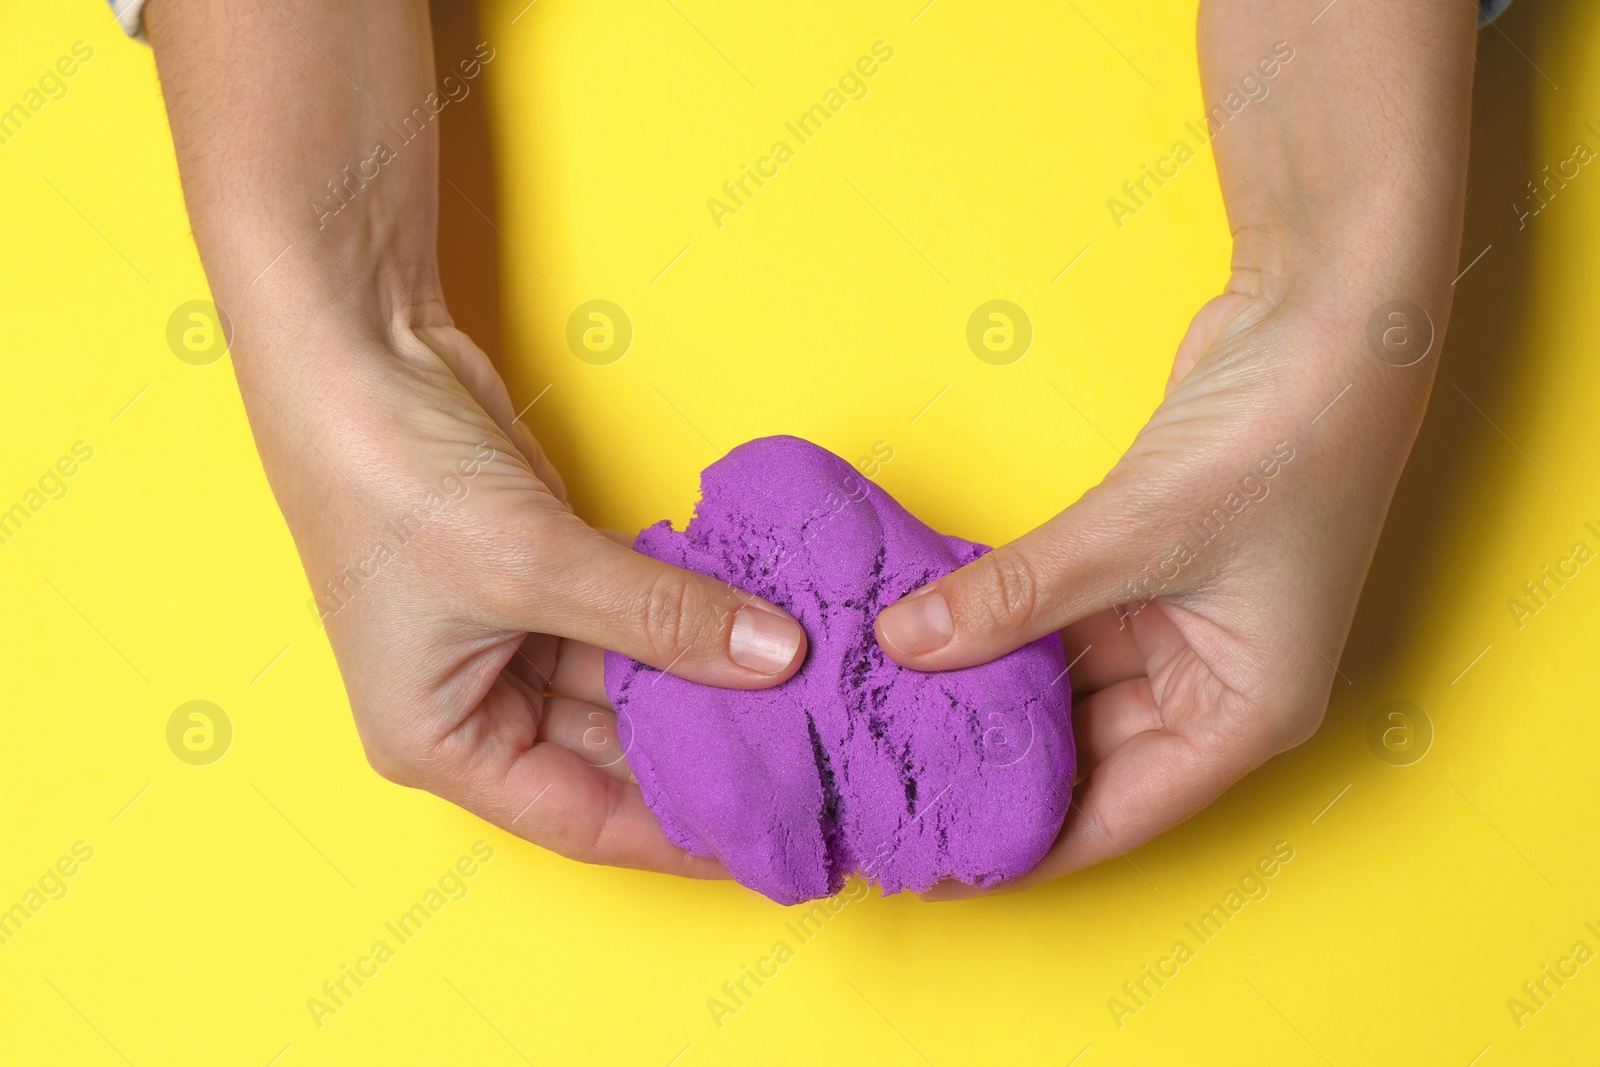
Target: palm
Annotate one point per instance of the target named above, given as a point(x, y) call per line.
point(447, 690)
point(1233, 591)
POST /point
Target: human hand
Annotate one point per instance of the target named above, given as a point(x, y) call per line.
point(1207, 585)
point(467, 605)
point(465, 602)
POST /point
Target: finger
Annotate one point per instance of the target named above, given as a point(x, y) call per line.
point(588, 731)
point(548, 794)
point(533, 661)
point(1101, 651)
point(1151, 783)
point(581, 673)
point(580, 668)
point(1103, 721)
point(1073, 566)
point(577, 583)
point(563, 804)
point(1128, 698)
point(1154, 781)
point(560, 667)
point(1094, 556)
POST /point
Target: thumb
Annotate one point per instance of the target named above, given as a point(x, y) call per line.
point(687, 624)
point(1086, 559)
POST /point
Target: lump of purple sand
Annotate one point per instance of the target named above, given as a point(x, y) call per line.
point(856, 764)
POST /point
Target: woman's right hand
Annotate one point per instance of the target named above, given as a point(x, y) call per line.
point(468, 606)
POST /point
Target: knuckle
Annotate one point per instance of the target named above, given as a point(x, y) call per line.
point(1270, 732)
point(673, 618)
point(1114, 836)
point(389, 765)
point(580, 836)
point(393, 752)
point(1007, 588)
point(1301, 727)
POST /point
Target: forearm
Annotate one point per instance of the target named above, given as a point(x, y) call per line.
point(1345, 182)
point(1343, 164)
point(313, 200)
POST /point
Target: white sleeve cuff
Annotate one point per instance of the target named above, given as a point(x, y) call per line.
point(130, 13)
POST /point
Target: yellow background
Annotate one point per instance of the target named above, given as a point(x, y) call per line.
point(833, 306)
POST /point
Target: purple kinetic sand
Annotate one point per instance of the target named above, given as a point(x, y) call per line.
point(855, 764)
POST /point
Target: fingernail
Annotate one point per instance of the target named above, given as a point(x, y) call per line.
point(918, 624)
point(763, 641)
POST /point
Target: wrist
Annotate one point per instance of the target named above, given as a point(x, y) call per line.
point(1322, 354)
point(365, 312)
point(1370, 299)
point(1348, 257)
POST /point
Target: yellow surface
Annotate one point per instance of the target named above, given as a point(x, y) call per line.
point(219, 898)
